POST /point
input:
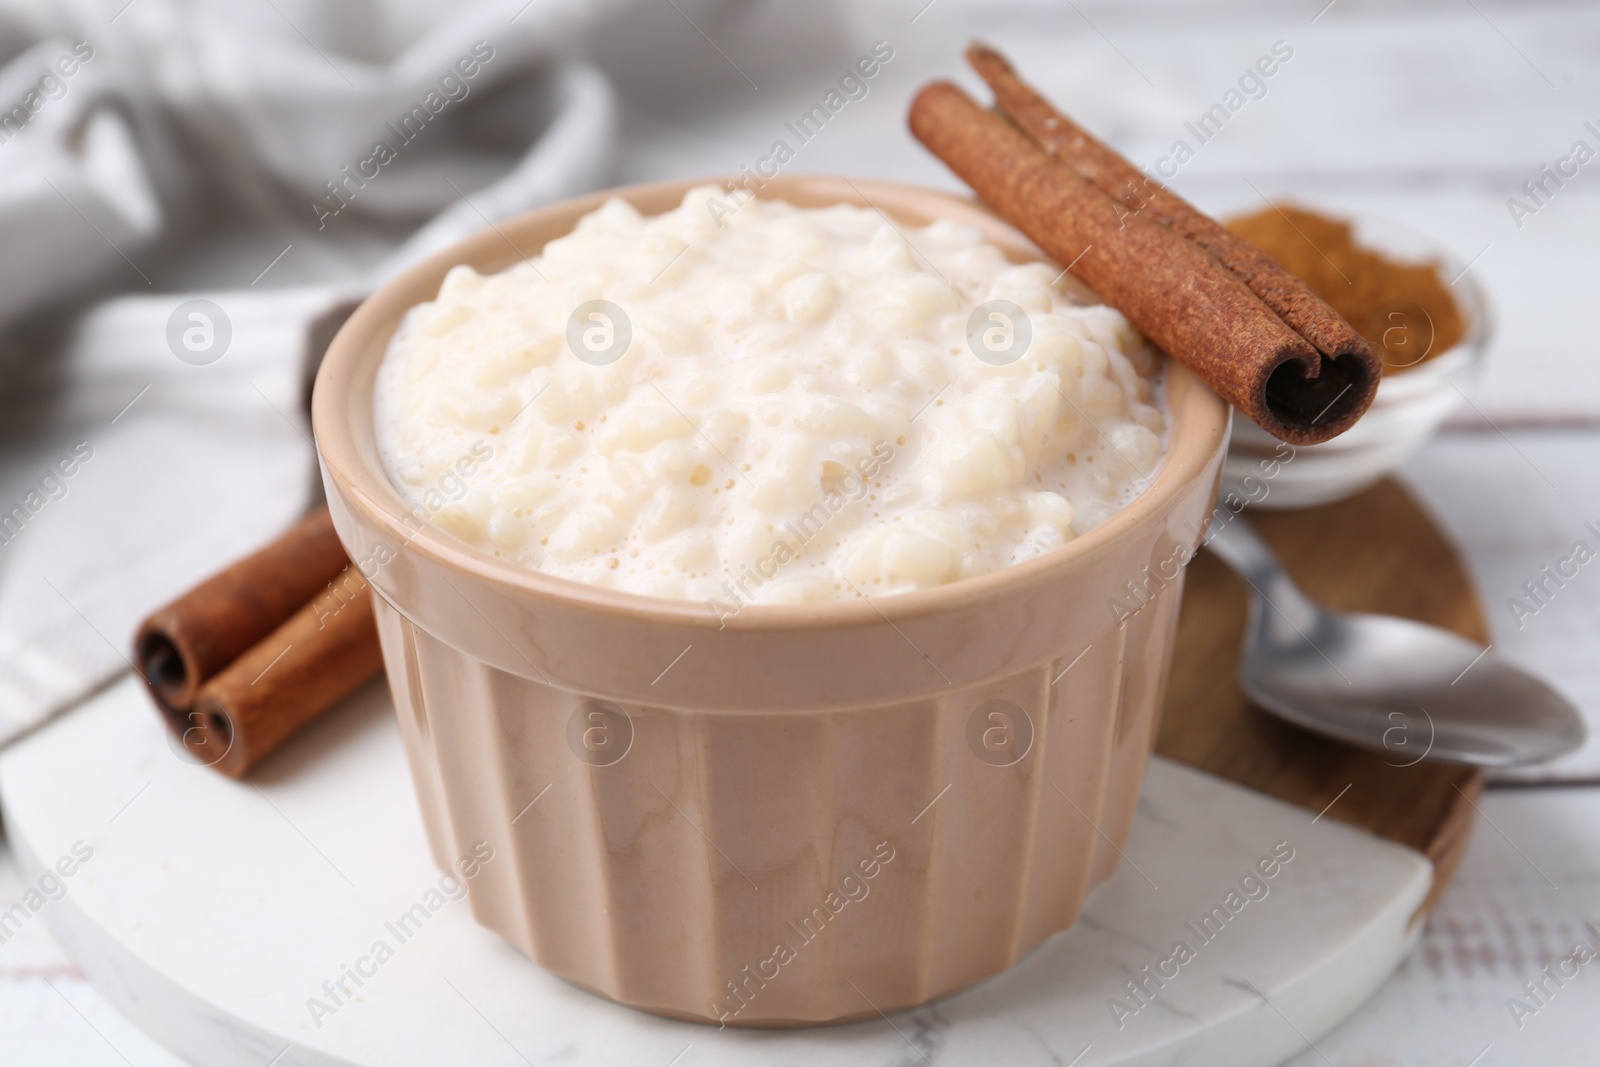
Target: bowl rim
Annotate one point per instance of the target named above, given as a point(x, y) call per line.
point(1197, 431)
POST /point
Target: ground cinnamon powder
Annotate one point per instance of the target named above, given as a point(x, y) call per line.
point(1405, 309)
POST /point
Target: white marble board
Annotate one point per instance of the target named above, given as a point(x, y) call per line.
point(211, 912)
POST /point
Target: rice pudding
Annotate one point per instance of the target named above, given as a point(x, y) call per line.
point(751, 402)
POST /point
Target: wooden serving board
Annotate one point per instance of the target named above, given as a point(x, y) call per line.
point(1379, 552)
point(213, 911)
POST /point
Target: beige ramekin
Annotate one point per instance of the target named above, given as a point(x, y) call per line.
point(791, 815)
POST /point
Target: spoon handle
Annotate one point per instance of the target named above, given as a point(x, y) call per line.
point(1280, 614)
point(1236, 543)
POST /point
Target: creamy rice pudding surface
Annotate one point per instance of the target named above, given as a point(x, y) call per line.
point(759, 403)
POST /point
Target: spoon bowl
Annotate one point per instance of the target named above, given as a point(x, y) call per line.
point(1403, 688)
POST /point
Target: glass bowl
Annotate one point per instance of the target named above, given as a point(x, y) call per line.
point(1410, 406)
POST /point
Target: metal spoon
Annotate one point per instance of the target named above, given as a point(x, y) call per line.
point(1404, 688)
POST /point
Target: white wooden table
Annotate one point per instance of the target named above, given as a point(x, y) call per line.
point(1431, 112)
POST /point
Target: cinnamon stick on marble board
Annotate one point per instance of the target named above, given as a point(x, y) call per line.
point(320, 655)
point(253, 654)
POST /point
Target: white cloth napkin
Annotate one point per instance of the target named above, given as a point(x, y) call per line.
point(185, 187)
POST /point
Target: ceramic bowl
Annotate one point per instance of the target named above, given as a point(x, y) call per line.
point(794, 814)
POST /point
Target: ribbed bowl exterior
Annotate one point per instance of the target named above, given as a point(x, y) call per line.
point(669, 879)
point(792, 815)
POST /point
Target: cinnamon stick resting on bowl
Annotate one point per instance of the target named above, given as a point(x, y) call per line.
point(1254, 333)
point(247, 658)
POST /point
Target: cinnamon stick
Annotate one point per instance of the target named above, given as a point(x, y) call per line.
point(1173, 289)
point(1293, 300)
point(195, 636)
point(322, 654)
point(1168, 286)
point(244, 660)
